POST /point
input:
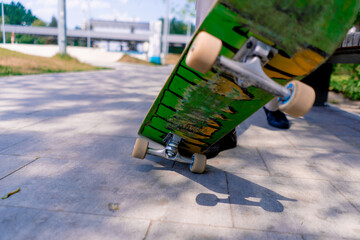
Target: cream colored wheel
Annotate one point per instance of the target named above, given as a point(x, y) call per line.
point(301, 101)
point(203, 52)
point(199, 164)
point(140, 148)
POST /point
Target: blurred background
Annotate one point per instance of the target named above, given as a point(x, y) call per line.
point(145, 29)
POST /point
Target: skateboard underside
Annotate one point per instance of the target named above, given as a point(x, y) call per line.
point(202, 108)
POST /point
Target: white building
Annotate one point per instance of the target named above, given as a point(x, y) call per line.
point(121, 27)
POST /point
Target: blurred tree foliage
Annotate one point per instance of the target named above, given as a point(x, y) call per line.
point(179, 27)
point(187, 11)
point(17, 14)
point(345, 79)
point(38, 23)
point(53, 22)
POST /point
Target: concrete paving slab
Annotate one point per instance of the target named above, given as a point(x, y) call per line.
point(77, 146)
point(121, 123)
point(316, 115)
point(350, 191)
point(15, 122)
point(37, 145)
point(89, 187)
point(340, 130)
point(11, 138)
point(164, 230)
point(293, 205)
point(253, 136)
point(10, 164)
point(82, 126)
point(319, 140)
point(27, 223)
point(312, 164)
point(62, 125)
point(352, 140)
point(240, 160)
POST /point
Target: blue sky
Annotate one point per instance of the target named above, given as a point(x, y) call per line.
point(129, 10)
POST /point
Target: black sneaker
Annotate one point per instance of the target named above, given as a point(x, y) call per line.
point(227, 142)
point(277, 119)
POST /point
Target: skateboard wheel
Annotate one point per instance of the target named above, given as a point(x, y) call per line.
point(140, 148)
point(199, 163)
point(301, 100)
point(203, 52)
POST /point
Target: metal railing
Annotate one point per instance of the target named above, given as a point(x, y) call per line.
point(51, 31)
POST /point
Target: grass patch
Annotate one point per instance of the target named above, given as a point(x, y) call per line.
point(15, 63)
point(345, 79)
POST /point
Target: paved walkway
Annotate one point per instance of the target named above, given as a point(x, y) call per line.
point(66, 141)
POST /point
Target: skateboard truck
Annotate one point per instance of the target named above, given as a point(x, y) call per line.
point(295, 99)
point(247, 64)
point(170, 152)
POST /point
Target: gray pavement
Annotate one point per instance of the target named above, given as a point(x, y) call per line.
point(66, 141)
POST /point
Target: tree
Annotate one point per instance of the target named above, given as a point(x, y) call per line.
point(6, 19)
point(18, 15)
point(177, 27)
point(38, 23)
point(186, 13)
point(189, 9)
point(53, 22)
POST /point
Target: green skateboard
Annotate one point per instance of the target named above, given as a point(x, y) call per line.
point(241, 56)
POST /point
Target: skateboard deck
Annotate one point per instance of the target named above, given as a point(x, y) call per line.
point(202, 108)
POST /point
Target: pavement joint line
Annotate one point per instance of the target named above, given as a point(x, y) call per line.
point(50, 157)
point(322, 149)
point(32, 124)
point(338, 190)
point(229, 198)
point(32, 112)
point(236, 228)
point(106, 135)
point(351, 115)
point(174, 163)
point(248, 174)
point(148, 230)
point(36, 158)
point(287, 139)
point(161, 221)
point(174, 222)
point(75, 212)
point(263, 160)
point(290, 177)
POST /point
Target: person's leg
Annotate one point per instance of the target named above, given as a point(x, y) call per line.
point(274, 116)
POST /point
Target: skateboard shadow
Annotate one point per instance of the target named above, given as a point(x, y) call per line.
point(239, 190)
